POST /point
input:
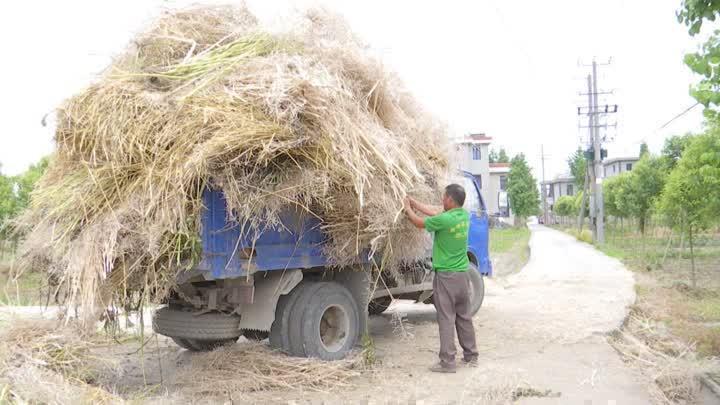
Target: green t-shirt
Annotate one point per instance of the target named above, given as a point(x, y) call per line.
point(450, 242)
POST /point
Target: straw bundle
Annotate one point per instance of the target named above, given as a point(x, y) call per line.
point(253, 368)
point(44, 361)
point(302, 119)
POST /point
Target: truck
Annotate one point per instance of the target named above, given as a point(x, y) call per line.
point(280, 286)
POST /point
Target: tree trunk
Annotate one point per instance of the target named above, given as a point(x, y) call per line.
point(682, 245)
point(667, 247)
point(692, 258)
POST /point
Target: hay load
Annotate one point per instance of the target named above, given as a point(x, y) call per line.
point(207, 98)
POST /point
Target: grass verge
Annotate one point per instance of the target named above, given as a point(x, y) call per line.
point(509, 249)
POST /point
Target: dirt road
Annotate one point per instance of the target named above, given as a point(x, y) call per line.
point(543, 328)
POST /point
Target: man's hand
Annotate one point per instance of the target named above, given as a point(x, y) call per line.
point(412, 216)
point(408, 204)
point(424, 208)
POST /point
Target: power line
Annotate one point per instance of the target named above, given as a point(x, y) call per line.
point(687, 110)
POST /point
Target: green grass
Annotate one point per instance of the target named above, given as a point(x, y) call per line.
point(504, 240)
point(708, 309)
point(24, 291)
point(664, 280)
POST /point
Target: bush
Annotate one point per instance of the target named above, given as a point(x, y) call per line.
point(584, 236)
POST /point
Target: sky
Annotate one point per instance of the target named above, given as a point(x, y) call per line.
point(511, 70)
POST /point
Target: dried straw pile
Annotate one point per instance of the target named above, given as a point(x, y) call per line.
point(45, 361)
point(207, 98)
point(672, 368)
point(254, 368)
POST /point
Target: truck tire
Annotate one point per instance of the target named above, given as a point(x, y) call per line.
point(330, 323)
point(255, 335)
point(297, 313)
point(477, 288)
point(195, 345)
point(183, 343)
point(280, 329)
point(208, 327)
point(380, 305)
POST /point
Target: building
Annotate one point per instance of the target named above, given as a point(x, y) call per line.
point(497, 201)
point(613, 167)
point(473, 153)
point(557, 187)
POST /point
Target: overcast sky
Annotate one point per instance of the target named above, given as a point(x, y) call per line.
point(512, 70)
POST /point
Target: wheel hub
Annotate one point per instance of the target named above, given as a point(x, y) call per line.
point(334, 326)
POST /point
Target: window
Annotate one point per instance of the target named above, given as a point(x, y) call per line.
point(628, 166)
point(613, 168)
point(551, 190)
point(472, 199)
point(569, 189)
point(476, 152)
point(503, 183)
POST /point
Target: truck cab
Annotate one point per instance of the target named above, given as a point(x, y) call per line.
point(280, 286)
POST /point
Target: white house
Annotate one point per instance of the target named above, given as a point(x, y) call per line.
point(557, 187)
point(613, 167)
point(473, 156)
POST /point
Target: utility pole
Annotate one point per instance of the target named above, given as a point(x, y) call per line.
point(594, 176)
point(543, 188)
point(599, 206)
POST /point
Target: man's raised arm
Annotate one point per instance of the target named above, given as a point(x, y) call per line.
point(412, 216)
point(425, 208)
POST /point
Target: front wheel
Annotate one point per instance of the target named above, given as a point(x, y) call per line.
point(476, 287)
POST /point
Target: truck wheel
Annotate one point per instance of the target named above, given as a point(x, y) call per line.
point(209, 345)
point(208, 327)
point(297, 313)
point(280, 329)
point(477, 288)
point(183, 343)
point(256, 335)
point(330, 323)
point(378, 306)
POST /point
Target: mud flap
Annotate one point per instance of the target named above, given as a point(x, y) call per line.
point(269, 286)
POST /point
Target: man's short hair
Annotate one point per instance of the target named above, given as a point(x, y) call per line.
point(457, 193)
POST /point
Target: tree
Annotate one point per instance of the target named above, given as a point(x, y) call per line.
point(644, 150)
point(614, 189)
point(691, 198)
point(673, 148)
point(565, 206)
point(8, 205)
point(578, 164)
point(499, 157)
point(522, 189)
point(26, 182)
point(644, 185)
point(706, 61)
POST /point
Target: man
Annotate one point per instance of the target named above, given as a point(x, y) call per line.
point(451, 283)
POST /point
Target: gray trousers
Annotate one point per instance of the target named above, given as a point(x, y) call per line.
point(451, 297)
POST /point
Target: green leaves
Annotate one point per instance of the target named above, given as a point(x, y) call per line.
point(705, 62)
point(15, 192)
point(522, 189)
point(578, 164)
point(565, 206)
point(691, 197)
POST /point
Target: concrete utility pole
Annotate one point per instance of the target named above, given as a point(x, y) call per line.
point(543, 188)
point(594, 168)
point(599, 206)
